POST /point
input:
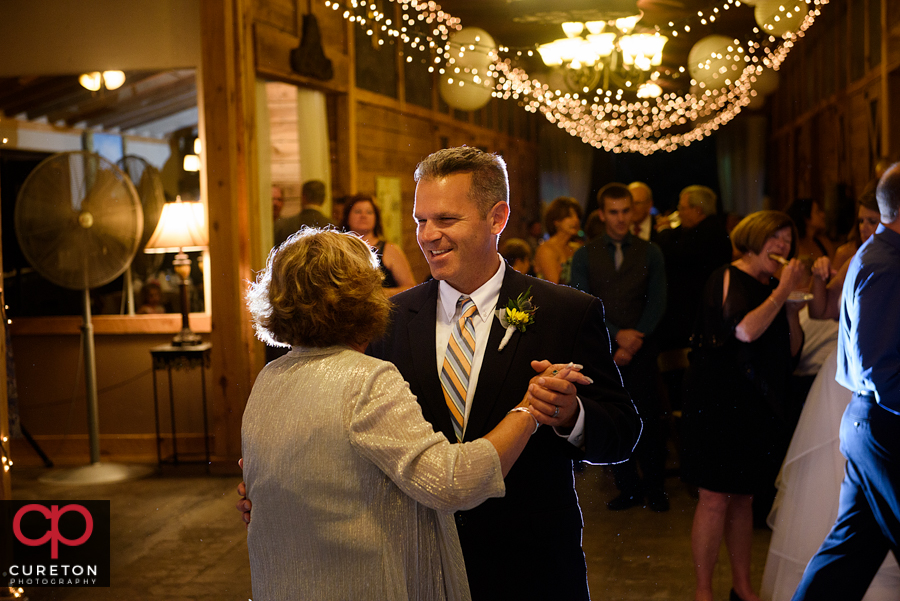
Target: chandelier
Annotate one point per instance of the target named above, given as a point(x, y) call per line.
point(608, 55)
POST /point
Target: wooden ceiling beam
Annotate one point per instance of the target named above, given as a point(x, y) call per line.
point(144, 101)
point(135, 118)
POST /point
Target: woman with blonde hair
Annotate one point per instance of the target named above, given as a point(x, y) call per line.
point(744, 347)
point(352, 490)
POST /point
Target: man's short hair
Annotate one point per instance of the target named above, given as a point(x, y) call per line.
point(312, 193)
point(490, 182)
point(643, 186)
point(888, 194)
point(319, 288)
point(701, 197)
point(751, 233)
point(612, 190)
point(515, 249)
point(558, 210)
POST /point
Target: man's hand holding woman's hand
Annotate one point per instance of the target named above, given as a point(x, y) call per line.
point(550, 398)
point(552, 393)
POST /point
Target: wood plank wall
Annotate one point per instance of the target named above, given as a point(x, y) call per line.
point(376, 135)
point(372, 135)
point(834, 114)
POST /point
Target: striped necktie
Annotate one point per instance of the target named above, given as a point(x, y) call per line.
point(458, 366)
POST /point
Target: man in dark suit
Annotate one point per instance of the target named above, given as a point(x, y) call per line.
point(868, 364)
point(461, 208)
point(312, 196)
point(642, 211)
point(628, 274)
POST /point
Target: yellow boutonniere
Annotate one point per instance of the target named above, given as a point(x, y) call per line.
point(517, 315)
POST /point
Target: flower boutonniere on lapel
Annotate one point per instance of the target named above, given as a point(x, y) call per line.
point(517, 315)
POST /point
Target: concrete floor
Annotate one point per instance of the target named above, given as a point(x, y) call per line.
point(178, 537)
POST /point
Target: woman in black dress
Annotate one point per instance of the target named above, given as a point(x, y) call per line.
point(361, 216)
point(745, 343)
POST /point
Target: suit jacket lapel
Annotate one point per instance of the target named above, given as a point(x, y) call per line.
point(420, 330)
point(496, 364)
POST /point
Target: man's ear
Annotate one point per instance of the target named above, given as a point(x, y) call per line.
point(498, 217)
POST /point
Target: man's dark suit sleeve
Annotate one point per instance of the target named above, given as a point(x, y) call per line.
point(611, 423)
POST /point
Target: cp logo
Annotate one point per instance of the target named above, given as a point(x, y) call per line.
point(53, 514)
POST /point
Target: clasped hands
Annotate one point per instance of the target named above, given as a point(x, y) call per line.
point(630, 342)
point(551, 399)
point(552, 394)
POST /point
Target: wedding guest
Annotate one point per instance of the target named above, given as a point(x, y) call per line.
point(153, 302)
point(361, 215)
point(868, 364)
point(277, 201)
point(312, 197)
point(744, 345)
point(534, 235)
point(352, 489)
point(553, 259)
point(826, 285)
point(517, 253)
point(642, 213)
point(867, 220)
point(809, 217)
point(628, 275)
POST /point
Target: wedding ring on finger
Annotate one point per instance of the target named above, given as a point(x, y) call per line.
point(554, 372)
point(556, 411)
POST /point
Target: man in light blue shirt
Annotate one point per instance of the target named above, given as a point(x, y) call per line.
point(868, 522)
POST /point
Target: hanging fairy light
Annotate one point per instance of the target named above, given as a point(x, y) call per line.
point(603, 117)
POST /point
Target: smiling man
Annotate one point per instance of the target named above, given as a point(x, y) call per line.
point(461, 207)
point(628, 274)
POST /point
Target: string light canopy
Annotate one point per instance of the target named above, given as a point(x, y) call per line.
point(612, 118)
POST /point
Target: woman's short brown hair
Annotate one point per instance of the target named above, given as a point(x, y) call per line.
point(319, 288)
point(352, 201)
point(752, 232)
point(558, 210)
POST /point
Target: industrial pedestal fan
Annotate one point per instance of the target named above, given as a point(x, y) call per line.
point(79, 223)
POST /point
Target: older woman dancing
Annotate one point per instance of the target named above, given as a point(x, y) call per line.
point(734, 424)
point(352, 489)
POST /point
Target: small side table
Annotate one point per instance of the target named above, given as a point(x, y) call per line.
point(170, 357)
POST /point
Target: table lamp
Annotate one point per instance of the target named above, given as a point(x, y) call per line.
point(181, 228)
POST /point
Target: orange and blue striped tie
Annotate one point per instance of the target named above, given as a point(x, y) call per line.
point(458, 366)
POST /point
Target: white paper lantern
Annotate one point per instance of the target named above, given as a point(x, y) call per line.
point(472, 48)
point(716, 61)
point(778, 17)
point(461, 91)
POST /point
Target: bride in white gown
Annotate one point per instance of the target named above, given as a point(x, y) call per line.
point(807, 501)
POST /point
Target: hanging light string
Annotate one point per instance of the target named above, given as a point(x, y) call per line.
point(605, 121)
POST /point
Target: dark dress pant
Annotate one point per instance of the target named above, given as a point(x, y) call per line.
point(641, 379)
point(868, 522)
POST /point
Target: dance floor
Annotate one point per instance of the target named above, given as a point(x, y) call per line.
point(177, 537)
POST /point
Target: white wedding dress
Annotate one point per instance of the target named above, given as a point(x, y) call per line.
point(808, 488)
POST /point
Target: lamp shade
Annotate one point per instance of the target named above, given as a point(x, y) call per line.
point(181, 227)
